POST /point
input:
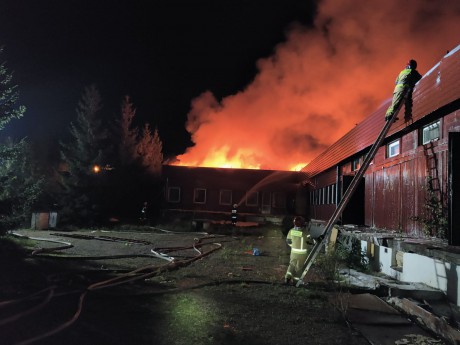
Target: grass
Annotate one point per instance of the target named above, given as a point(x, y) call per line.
point(12, 248)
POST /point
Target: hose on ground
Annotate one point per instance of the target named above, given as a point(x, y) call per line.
point(137, 274)
point(66, 245)
point(30, 311)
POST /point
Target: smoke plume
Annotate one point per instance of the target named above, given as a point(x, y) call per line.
point(320, 83)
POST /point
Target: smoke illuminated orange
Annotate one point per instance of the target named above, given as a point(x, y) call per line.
point(319, 83)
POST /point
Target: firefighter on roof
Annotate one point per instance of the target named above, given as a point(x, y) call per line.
point(405, 81)
point(296, 239)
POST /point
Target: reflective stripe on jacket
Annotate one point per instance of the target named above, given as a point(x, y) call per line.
point(299, 240)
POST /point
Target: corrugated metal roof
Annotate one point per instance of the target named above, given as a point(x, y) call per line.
point(437, 88)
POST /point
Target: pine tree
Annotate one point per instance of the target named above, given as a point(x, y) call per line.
point(20, 186)
point(128, 141)
point(127, 177)
point(150, 150)
point(9, 96)
point(82, 197)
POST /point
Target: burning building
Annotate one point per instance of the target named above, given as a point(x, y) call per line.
point(412, 184)
point(209, 193)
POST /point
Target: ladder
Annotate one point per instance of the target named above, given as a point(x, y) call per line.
point(349, 192)
point(434, 199)
point(434, 184)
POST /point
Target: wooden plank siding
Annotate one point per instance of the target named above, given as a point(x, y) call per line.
point(321, 204)
point(395, 189)
point(275, 192)
point(427, 97)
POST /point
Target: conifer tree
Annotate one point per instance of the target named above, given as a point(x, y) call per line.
point(20, 186)
point(127, 177)
point(150, 150)
point(82, 196)
point(128, 141)
point(138, 172)
point(9, 96)
point(21, 183)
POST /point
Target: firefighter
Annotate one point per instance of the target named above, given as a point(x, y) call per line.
point(234, 215)
point(405, 81)
point(296, 239)
point(144, 211)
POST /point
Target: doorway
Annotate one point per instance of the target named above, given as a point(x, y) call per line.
point(354, 211)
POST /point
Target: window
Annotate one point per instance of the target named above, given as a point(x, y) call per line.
point(356, 164)
point(393, 149)
point(252, 199)
point(430, 132)
point(331, 194)
point(279, 200)
point(225, 197)
point(173, 194)
point(199, 196)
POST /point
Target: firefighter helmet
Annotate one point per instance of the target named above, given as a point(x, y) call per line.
point(412, 64)
point(299, 221)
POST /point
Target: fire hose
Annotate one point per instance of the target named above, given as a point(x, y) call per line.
point(66, 245)
point(134, 275)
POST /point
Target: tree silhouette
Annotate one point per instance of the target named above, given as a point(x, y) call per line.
point(9, 96)
point(20, 184)
point(150, 150)
point(128, 140)
point(85, 160)
point(136, 179)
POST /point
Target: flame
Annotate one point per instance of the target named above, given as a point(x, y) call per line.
point(220, 159)
point(319, 83)
point(298, 166)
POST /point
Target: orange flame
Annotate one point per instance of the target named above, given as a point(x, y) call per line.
point(319, 84)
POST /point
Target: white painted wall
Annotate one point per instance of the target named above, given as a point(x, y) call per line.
point(433, 272)
point(422, 269)
point(384, 260)
point(417, 268)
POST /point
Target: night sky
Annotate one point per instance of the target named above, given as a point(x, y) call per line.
point(161, 53)
point(229, 83)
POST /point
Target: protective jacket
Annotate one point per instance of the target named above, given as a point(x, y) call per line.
point(408, 77)
point(297, 240)
point(234, 216)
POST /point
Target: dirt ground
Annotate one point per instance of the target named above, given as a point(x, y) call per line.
point(109, 287)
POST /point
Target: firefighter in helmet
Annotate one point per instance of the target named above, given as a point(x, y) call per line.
point(405, 82)
point(297, 239)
